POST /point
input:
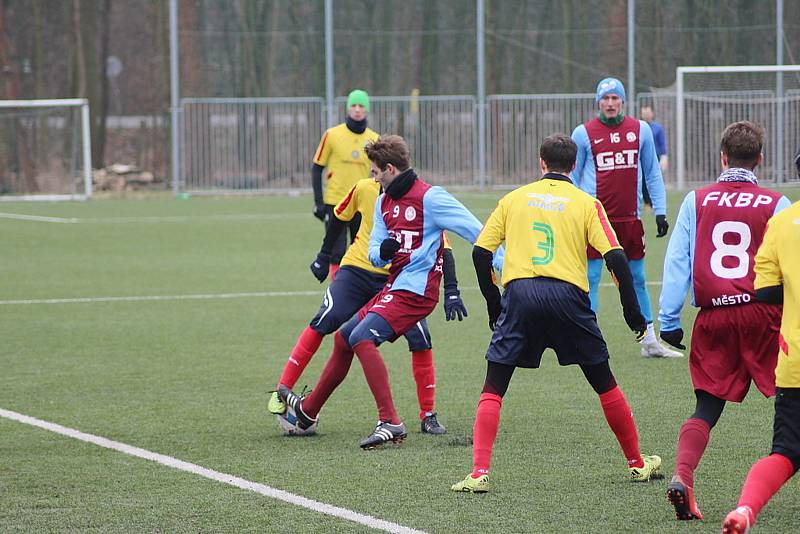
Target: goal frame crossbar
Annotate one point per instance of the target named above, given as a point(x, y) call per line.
point(680, 108)
point(86, 141)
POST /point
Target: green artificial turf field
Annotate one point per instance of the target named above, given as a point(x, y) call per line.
point(188, 378)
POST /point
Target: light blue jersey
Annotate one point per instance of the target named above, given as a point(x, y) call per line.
point(417, 220)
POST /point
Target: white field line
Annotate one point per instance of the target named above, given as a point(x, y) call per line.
point(169, 461)
point(155, 219)
point(37, 218)
point(208, 296)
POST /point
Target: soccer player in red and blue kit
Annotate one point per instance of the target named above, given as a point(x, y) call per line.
point(408, 225)
point(734, 339)
point(615, 153)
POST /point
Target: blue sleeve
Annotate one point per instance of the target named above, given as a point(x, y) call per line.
point(379, 233)
point(450, 214)
point(582, 160)
point(498, 258)
point(782, 204)
point(677, 267)
point(650, 170)
point(660, 138)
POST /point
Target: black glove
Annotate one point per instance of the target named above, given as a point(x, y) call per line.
point(673, 337)
point(662, 225)
point(319, 267)
point(389, 248)
point(635, 321)
point(319, 211)
point(454, 306)
point(494, 308)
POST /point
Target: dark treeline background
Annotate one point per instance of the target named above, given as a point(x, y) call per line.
point(239, 48)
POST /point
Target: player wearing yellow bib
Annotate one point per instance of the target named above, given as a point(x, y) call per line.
point(341, 153)
point(777, 281)
point(354, 285)
point(546, 226)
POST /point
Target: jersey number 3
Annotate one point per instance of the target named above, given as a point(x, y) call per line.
point(546, 245)
point(738, 250)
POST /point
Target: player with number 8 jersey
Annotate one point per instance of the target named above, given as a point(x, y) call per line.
point(735, 338)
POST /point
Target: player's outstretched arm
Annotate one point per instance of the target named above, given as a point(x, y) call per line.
point(453, 305)
point(482, 259)
point(450, 214)
point(617, 263)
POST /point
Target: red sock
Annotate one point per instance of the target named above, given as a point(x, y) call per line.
point(378, 379)
point(307, 344)
point(335, 371)
point(692, 441)
point(425, 377)
point(620, 419)
point(332, 270)
point(764, 480)
point(487, 419)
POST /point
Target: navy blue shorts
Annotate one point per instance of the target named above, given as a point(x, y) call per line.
point(786, 429)
point(376, 328)
point(350, 290)
point(541, 313)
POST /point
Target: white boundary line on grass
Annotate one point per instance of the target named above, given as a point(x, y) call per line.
point(37, 218)
point(208, 296)
point(169, 461)
point(153, 219)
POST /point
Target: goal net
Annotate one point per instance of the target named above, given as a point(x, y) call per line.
point(45, 151)
point(707, 99)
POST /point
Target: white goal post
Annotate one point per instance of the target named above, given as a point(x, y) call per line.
point(72, 190)
point(775, 102)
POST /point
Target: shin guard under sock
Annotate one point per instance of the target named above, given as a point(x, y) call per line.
point(484, 432)
point(378, 379)
point(764, 480)
point(692, 442)
point(425, 378)
point(620, 419)
point(307, 344)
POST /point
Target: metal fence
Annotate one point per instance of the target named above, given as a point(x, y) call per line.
point(248, 144)
point(518, 123)
point(266, 144)
point(441, 132)
point(706, 116)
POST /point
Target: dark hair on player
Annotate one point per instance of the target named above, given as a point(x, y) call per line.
point(558, 152)
point(742, 142)
point(389, 149)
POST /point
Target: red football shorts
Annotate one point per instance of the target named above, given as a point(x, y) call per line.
point(732, 345)
point(401, 309)
point(630, 235)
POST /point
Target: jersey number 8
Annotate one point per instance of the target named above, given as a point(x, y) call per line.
point(738, 250)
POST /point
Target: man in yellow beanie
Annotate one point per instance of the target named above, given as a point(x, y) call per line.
point(341, 154)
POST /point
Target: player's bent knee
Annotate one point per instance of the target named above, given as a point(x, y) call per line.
point(373, 328)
